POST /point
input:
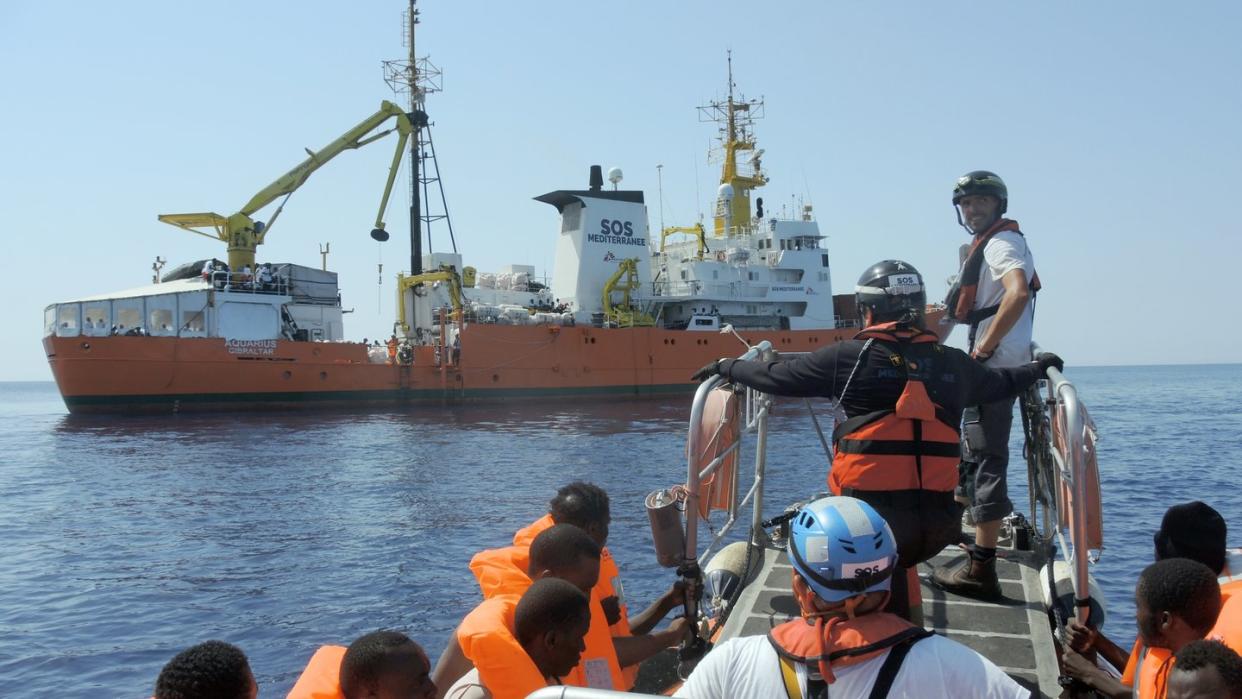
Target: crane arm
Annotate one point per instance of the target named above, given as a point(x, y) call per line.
point(243, 234)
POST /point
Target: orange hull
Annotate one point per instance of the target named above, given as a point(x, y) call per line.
point(166, 374)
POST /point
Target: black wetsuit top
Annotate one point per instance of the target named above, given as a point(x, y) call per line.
point(953, 380)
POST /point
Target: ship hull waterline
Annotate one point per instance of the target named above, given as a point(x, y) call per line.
point(118, 374)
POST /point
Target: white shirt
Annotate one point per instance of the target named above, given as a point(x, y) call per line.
point(748, 668)
point(468, 687)
point(1005, 252)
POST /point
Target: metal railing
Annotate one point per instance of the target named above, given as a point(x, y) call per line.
point(1070, 458)
point(1067, 461)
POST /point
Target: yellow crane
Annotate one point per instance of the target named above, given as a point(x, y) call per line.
point(445, 273)
point(243, 234)
point(696, 230)
point(625, 314)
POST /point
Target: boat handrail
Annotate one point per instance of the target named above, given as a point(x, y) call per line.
point(1071, 471)
point(238, 283)
point(1070, 458)
point(571, 692)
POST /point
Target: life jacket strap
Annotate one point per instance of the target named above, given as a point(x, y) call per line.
point(790, 677)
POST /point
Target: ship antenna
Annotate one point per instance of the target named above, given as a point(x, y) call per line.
point(660, 186)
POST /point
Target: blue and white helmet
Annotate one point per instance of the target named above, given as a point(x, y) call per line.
point(842, 548)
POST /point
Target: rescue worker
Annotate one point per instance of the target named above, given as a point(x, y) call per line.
point(994, 294)
point(1192, 530)
point(392, 349)
point(1206, 670)
point(586, 505)
point(902, 395)
point(265, 277)
point(843, 645)
point(485, 638)
point(209, 670)
point(379, 665)
point(549, 622)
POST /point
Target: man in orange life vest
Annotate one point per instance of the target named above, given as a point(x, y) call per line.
point(485, 638)
point(379, 665)
point(843, 559)
point(1206, 670)
point(586, 506)
point(994, 294)
point(1192, 530)
point(902, 394)
point(1177, 601)
point(550, 622)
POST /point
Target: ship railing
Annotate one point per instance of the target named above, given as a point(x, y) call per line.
point(1060, 465)
point(238, 283)
point(699, 289)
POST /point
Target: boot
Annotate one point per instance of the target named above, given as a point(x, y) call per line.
point(970, 578)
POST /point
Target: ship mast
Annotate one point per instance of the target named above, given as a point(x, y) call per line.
point(736, 117)
point(418, 77)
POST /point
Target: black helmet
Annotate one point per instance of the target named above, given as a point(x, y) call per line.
point(893, 290)
point(982, 182)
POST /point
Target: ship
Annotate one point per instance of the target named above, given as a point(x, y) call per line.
point(624, 313)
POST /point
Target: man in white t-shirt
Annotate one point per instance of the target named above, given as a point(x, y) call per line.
point(994, 294)
point(843, 555)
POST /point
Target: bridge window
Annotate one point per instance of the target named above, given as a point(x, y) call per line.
point(824, 259)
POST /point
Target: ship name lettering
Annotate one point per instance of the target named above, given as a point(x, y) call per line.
point(251, 347)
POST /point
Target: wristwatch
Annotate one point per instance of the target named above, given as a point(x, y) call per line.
point(984, 356)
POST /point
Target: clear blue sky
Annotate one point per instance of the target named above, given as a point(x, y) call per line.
point(1116, 125)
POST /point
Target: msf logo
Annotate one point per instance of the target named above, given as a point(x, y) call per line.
point(610, 257)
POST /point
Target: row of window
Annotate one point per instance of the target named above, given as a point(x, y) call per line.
point(157, 315)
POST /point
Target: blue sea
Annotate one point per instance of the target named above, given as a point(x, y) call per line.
point(127, 539)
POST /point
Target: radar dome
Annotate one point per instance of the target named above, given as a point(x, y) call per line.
point(614, 175)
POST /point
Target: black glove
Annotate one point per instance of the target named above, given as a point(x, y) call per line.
point(707, 371)
point(1048, 359)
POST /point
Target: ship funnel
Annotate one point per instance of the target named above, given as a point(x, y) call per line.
point(597, 178)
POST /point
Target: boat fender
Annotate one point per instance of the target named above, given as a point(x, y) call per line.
point(726, 570)
point(1064, 602)
point(664, 510)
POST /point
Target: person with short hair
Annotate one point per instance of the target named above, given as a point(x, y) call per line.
point(485, 639)
point(209, 670)
point(1177, 601)
point(386, 665)
point(1192, 530)
point(587, 506)
point(378, 665)
point(1206, 670)
point(549, 622)
point(843, 644)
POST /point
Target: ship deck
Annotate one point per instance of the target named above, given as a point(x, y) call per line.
point(1014, 633)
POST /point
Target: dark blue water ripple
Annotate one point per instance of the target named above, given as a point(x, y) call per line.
point(127, 539)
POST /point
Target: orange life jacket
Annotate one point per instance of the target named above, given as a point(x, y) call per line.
point(322, 677)
point(503, 572)
point(913, 446)
point(1151, 672)
point(840, 642)
point(1228, 628)
point(486, 638)
point(1148, 668)
point(961, 298)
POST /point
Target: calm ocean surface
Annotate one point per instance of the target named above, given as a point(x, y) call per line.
point(127, 539)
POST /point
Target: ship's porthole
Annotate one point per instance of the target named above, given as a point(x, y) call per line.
point(86, 346)
point(495, 377)
point(323, 375)
point(287, 375)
